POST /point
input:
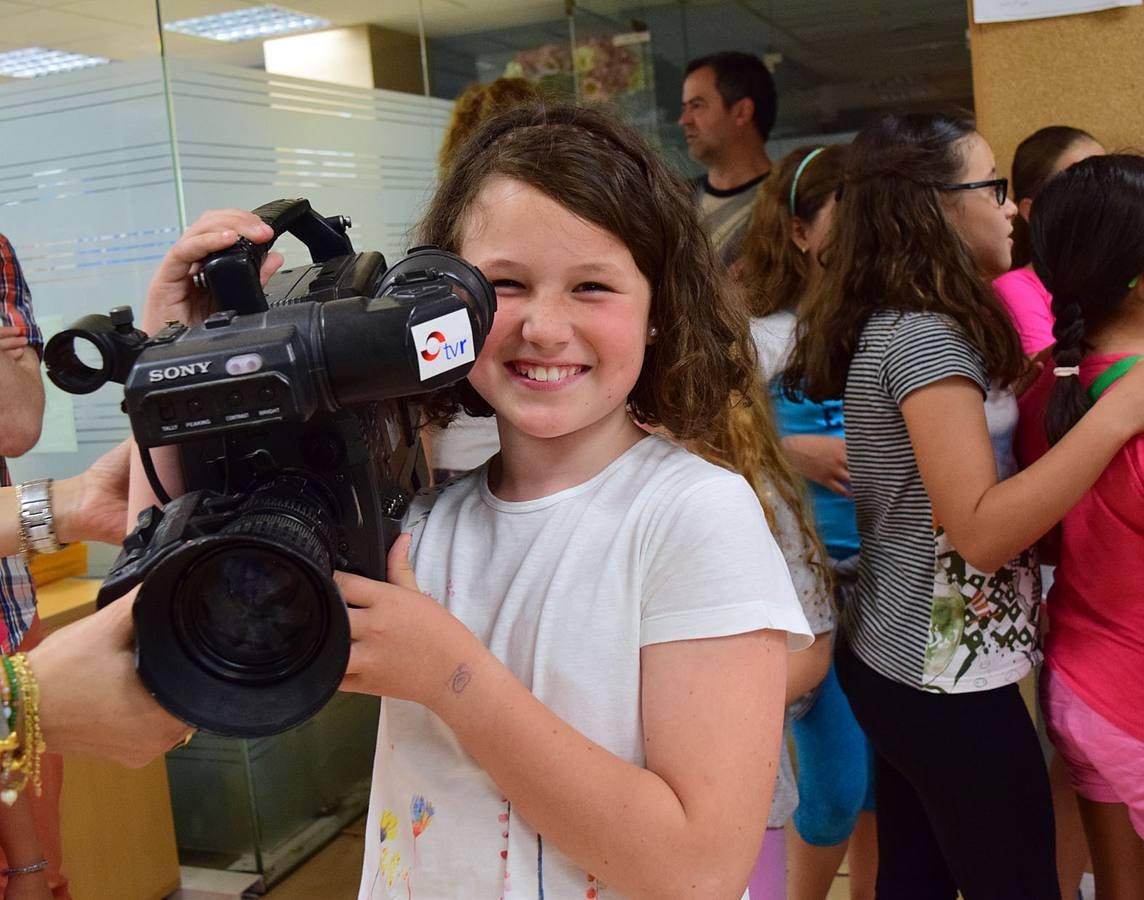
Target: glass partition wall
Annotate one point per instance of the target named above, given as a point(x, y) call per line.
point(189, 104)
point(142, 116)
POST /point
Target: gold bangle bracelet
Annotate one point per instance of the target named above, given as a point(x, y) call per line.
point(33, 735)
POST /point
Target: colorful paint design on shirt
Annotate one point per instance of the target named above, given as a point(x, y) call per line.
point(503, 820)
point(389, 863)
point(982, 626)
point(421, 814)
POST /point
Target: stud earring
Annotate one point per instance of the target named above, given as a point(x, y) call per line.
point(652, 331)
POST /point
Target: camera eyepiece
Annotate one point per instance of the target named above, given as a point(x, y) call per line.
point(107, 348)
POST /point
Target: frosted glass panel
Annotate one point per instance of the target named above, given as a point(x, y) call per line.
point(246, 137)
point(87, 198)
point(87, 185)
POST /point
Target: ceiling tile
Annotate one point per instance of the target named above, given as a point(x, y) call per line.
point(47, 27)
point(140, 13)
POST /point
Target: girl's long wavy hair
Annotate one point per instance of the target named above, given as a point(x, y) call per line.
point(1087, 236)
point(749, 444)
point(774, 272)
point(893, 247)
point(1034, 163)
point(773, 276)
point(604, 172)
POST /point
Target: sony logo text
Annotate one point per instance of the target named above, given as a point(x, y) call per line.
point(183, 371)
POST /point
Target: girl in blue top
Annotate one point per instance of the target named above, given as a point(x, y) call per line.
point(789, 231)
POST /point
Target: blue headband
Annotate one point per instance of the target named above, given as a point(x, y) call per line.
point(798, 174)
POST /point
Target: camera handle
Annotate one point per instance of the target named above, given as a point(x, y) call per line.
point(232, 275)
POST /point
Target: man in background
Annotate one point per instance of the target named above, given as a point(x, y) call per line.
point(729, 106)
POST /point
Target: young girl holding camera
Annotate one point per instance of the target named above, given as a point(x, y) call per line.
point(1087, 235)
point(584, 681)
point(944, 620)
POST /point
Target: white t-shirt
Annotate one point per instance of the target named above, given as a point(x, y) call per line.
point(465, 443)
point(565, 590)
point(774, 339)
point(810, 588)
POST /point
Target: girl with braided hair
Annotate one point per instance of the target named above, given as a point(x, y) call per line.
point(1039, 157)
point(944, 622)
point(1087, 235)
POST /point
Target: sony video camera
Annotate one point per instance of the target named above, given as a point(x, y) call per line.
point(298, 454)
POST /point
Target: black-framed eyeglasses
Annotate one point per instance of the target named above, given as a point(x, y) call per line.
point(1000, 187)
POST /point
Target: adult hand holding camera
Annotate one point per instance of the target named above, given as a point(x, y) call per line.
point(92, 506)
point(172, 296)
point(91, 700)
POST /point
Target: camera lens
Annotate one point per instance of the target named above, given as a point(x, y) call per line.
point(243, 632)
point(251, 616)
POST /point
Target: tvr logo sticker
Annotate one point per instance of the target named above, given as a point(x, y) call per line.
point(437, 343)
point(443, 343)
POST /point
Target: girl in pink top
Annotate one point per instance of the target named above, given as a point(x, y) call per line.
point(1088, 247)
point(1038, 158)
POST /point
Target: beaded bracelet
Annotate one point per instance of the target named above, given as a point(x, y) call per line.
point(38, 866)
point(20, 762)
point(8, 736)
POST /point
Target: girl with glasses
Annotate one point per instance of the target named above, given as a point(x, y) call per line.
point(944, 623)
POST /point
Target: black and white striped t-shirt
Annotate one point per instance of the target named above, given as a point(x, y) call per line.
point(726, 215)
point(922, 615)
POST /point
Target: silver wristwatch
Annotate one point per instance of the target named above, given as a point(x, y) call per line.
point(37, 526)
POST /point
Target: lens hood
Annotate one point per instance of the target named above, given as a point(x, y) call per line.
point(240, 635)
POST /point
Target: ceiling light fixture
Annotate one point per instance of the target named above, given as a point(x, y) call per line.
point(29, 62)
point(247, 24)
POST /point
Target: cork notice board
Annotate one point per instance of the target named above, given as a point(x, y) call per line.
point(1081, 70)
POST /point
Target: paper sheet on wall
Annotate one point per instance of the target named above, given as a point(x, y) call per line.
point(1018, 10)
point(58, 434)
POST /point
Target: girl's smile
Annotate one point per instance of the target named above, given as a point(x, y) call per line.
point(546, 376)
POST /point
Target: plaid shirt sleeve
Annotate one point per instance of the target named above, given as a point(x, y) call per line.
point(16, 299)
point(17, 595)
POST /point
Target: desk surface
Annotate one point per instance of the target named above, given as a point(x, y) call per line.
point(66, 600)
